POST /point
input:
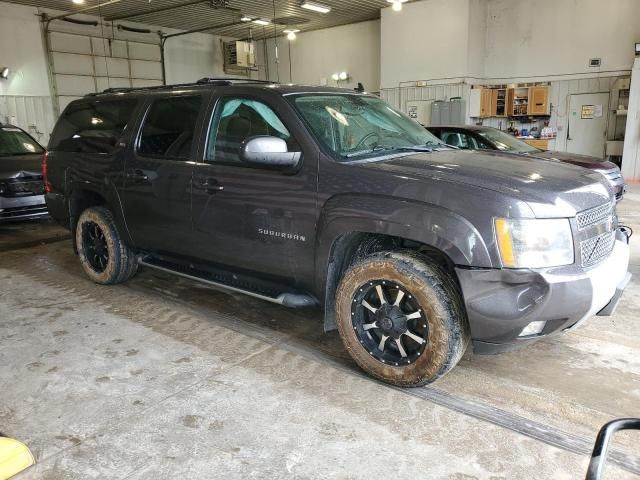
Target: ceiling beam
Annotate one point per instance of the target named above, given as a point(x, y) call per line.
point(140, 13)
point(83, 10)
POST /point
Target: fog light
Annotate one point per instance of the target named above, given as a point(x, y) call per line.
point(534, 328)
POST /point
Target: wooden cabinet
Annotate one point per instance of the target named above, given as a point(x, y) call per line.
point(539, 101)
point(480, 103)
point(485, 103)
point(541, 144)
point(509, 102)
point(499, 102)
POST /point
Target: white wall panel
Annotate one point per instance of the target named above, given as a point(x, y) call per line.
point(64, 42)
point(146, 70)
point(111, 67)
point(74, 84)
point(137, 83)
point(144, 51)
point(72, 64)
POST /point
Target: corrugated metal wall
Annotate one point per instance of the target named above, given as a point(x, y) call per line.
point(33, 114)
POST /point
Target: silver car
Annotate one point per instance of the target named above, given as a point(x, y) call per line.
point(21, 184)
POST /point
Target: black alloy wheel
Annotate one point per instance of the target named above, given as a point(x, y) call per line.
point(95, 245)
point(389, 323)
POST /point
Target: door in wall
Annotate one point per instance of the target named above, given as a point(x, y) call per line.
point(587, 132)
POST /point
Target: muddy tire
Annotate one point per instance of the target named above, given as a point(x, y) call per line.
point(103, 255)
point(402, 320)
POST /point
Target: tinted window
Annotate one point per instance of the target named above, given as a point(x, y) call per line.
point(504, 141)
point(236, 120)
point(460, 140)
point(92, 127)
point(14, 141)
point(169, 127)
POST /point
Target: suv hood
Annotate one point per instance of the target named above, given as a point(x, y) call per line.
point(13, 166)
point(550, 188)
point(592, 163)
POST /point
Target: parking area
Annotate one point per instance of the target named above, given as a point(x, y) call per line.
point(168, 378)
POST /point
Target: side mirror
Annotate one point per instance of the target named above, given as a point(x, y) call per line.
point(265, 150)
point(599, 455)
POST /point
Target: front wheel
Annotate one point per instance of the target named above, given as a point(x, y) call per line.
point(402, 320)
point(104, 256)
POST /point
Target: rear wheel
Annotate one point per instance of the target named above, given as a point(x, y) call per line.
point(403, 321)
point(103, 255)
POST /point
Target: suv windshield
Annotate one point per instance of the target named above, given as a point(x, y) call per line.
point(505, 142)
point(14, 141)
point(355, 126)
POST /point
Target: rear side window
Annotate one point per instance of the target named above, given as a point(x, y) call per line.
point(169, 127)
point(92, 127)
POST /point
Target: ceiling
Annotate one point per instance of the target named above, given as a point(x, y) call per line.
point(202, 14)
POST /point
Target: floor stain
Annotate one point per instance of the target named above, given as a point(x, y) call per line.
point(192, 421)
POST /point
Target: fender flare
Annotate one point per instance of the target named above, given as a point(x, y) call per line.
point(427, 224)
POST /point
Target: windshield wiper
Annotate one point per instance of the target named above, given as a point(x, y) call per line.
point(427, 147)
point(377, 148)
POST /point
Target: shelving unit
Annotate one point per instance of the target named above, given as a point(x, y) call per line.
point(520, 102)
point(516, 102)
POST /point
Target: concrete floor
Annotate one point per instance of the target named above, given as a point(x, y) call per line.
point(164, 378)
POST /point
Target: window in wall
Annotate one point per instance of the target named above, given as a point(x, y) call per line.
point(169, 128)
point(92, 127)
point(237, 119)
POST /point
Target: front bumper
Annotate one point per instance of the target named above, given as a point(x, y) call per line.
point(22, 208)
point(502, 302)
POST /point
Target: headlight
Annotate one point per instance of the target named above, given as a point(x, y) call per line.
point(534, 243)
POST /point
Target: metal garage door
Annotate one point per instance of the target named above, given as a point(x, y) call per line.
point(82, 64)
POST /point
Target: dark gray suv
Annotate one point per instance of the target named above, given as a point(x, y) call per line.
point(307, 196)
point(21, 186)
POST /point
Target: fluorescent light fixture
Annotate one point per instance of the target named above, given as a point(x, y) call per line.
point(78, 2)
point(246, 19)
point(4, 73)
point(261, 22)
point(396, 5)
point(291, 33)
point(316, 7)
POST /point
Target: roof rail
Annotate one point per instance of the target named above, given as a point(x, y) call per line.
point(202, 81)
point(230, 80)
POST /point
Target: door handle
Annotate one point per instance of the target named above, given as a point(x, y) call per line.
point(209, 185)
point(137, 175)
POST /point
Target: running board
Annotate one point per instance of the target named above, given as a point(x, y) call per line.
point(291, 300)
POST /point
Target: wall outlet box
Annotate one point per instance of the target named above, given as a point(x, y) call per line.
point(595, 62)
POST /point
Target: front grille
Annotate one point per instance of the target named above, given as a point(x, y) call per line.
point(596, 230)
point(594, 216)
point(27, 211)
point(597, 248)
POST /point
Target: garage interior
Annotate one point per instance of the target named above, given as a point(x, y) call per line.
point(168, 378)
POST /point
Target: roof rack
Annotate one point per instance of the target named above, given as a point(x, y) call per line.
point(202, 81)
point(231, 80)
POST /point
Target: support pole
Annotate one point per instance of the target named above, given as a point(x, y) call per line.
point(631, 152)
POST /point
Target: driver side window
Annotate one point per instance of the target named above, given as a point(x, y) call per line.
point(237, 119)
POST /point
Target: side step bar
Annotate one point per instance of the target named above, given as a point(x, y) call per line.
point(291, 300)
